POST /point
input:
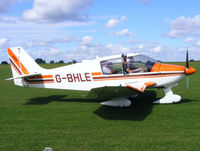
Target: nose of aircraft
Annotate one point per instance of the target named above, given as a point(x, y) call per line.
point(189, 70)
point(159, 67)
point(171, 67)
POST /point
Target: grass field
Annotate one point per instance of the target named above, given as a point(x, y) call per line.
point(32, 118)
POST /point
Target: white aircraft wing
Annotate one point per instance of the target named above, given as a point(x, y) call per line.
point(140, 86)
point(129, 89)
point(111, 92)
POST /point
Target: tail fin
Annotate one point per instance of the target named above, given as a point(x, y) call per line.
point(22, 64)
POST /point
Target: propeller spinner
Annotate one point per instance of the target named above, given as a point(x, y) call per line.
point(188, 70)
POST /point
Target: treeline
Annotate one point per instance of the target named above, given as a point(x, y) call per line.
point(41, 61)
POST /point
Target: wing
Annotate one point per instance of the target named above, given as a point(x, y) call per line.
point(129, 89)
point(140, 86)
point(111, 92)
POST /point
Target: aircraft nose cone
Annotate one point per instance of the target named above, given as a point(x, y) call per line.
point(189, 71)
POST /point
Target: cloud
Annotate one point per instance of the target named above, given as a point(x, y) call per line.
point(30, 30)
point(113, 22)
point(3, 44)
point(144, 1)
point(134, 41)
point(87, 49)
point(48, 54)
point(68, 39)
point(117, 49)
point(148, 47)
point(8, 20)
point(39, 43)
point(184, 26)
point(157, 49)
point(57, 10)
point(47, 42)
point(39, 37)
point(197, 43)
point(86, 40)
point(123, 32)
point(123, 18)
point(3, 41)
point(192, 42)
point(177, 33)
point(6, 4)
point(188, 40)
point(141, 46)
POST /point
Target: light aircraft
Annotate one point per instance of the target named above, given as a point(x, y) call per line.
point(115, 77)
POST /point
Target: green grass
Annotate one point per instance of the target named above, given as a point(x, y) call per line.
point(32, 118)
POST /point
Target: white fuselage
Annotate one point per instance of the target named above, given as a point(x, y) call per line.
point(88, 75)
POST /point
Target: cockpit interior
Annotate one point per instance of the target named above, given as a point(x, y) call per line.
point(127, 65)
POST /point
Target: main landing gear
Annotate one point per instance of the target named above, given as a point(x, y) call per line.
point(169, 96)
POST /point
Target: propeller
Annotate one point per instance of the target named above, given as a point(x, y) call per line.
point(187, 67)
point(187, 63)
point(188, 70)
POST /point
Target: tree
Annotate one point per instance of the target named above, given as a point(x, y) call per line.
point(51, 62)
point(40, 61)
point(61, 61)
point(74, 61)
point(4, 62)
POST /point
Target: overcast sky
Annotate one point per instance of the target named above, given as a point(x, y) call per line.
point(83, 29)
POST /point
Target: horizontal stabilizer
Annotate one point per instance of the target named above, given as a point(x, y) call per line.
point(140, 86)
point(24, 76)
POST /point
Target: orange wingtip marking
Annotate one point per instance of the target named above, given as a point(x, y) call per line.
point(96, 73)
point(136, 89)
point(17, 62)
point(148, 84)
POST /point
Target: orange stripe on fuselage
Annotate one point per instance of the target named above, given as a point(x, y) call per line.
point(17, 62)
point(140, 77)
point(96, 73)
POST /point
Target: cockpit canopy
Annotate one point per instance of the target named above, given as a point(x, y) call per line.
point(127, 64)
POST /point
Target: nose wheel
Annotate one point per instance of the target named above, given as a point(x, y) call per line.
point(169, 97)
